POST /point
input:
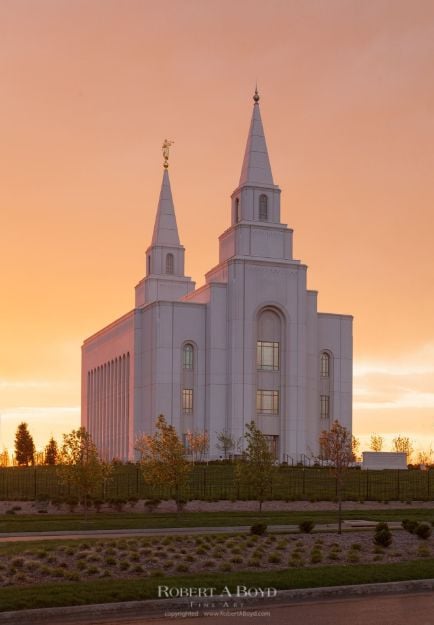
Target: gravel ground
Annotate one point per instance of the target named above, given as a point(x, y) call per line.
point(171, 555)
point(29, 507)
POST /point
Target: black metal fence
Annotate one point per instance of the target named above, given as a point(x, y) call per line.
point(217, 481)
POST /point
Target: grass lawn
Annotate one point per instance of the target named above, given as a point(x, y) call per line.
point(110, 590)
point(103, 521)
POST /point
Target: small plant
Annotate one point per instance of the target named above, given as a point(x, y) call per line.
point(254, 562)
point(236, 560)
point(124, 566)
point(423, 551)
point(274, 558)
point(152, 504)
point(353, 556)
point(110, 561)
point(306, 527)
point(209, 564)
point(316, 556)
point(356, 547)
point(225, 567)
point(258, 529)
point(423, 530)
point(182, 568)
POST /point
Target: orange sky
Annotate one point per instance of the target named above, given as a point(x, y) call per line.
point(90, 88)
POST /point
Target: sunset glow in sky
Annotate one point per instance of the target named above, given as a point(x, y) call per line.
point(89, 90)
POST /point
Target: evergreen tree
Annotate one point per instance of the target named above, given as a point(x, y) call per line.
point(24, 446)
point(51, 452)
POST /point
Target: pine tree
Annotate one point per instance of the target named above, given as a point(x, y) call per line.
point(51, 452)
point(24, 446)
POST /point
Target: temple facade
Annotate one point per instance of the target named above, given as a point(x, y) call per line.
point(248, 345)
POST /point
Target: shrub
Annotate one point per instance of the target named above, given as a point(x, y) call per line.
point(72, 503)
point(118, 503)
point(132, 501)
point(258, 529)
point(423, 530)
point(98, 503)
point(306, 526)
point(409, 526)
point(274, 558)
point(383, 535)
point(152, 504)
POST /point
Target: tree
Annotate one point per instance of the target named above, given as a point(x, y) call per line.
point(80, 466)
point(355, 446)
point(163, 459)
point(337, 446)
point(227, 444)
point(403, 444)
point(197, 445)
point(256, 468)
point(24, 446)
point(51, 452)
point(376, 443)
point(424, 457)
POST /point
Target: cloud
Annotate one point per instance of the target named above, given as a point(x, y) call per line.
point(407, 382)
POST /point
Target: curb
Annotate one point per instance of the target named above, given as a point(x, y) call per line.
point(157, 608)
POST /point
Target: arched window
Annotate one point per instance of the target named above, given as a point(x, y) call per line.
point(325, 365)
point(187, 356)
point(237, 210)
point(169, 263)
point(263, 208)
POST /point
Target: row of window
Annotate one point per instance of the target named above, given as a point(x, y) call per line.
point(267, 402)
point(263, 208)
point(267, 358)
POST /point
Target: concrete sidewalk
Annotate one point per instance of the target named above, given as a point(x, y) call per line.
point(351, 525)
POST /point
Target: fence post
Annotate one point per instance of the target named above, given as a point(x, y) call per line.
point(137, 481)
point(367, 484)
point(399, 473)
point(34, 471)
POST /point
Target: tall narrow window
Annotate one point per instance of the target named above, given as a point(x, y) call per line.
point(187, 400)
point(267, 402)
point(169, 263)
point(267, 355)
point(237, 210)
point(148, 267)
point(273, 444)
point(325, 365)
point(325, 406)
point(263, 208)
point(187, 356)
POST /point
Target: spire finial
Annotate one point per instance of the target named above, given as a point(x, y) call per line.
point(166, 145)
point(256, 96)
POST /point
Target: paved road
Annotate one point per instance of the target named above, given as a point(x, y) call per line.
point(407, 609)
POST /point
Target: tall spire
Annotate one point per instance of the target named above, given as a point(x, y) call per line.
point(256, 164)
point(165, 228)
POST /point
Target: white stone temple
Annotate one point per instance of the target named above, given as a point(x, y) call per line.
point(248, 345)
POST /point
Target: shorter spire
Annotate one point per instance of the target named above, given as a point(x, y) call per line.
point(166, 228)
point(256, 96)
